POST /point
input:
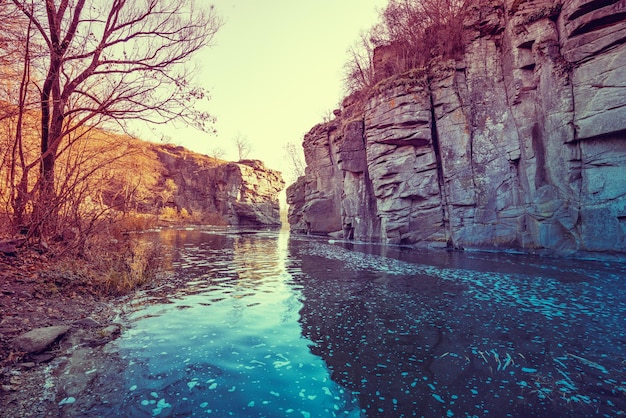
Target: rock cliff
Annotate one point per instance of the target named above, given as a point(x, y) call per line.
point(208, 190)
point(520, 144)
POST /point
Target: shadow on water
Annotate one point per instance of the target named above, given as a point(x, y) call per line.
point(254, 323)
point(466, 334)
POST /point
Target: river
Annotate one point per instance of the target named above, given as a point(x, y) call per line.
point(264, 324)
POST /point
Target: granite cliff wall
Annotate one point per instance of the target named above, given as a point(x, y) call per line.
point(520, 144)
point(209, 190)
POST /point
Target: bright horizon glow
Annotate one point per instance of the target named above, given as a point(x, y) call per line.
point(274, 71)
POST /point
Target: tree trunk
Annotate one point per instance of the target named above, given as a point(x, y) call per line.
point(52, 108)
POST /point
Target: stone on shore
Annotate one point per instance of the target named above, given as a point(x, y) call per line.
point(38, 339)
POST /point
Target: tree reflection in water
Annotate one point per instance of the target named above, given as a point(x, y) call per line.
point(257, 323)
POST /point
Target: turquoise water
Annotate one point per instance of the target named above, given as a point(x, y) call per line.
point(258, 324)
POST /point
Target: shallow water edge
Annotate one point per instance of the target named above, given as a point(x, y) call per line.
point(258, 323)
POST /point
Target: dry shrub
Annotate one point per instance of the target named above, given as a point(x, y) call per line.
point(111, 260)
point(169, 213)
point(426, 28)
point(409, 34)
point(133, 222)
point(120, 266)
point(134, 266)
point(123, 260)
point(110, 274)
point(184, 214)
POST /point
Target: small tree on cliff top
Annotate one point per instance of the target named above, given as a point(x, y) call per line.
point(107, 61)
point(295, 160)
point(243, 145)
point(418, 29)
point(358, 70)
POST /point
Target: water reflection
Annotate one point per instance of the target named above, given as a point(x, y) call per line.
point(259, 324)
point(228, 342)
point(449, 334)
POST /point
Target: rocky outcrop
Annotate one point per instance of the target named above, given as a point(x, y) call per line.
point(295, 201)
point(170, 180)
point(237, 194)
point(520, 144)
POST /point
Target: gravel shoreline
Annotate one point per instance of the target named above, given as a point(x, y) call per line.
point(29, 299)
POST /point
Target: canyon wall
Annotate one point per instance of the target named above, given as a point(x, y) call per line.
point(207, 190)
point(520, 144)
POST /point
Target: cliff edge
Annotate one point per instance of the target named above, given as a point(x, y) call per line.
point(519, 144)
point(171, 180)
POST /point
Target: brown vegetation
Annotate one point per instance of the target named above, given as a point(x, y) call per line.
point(69, 68)
point(72, 182)
point(408, 35)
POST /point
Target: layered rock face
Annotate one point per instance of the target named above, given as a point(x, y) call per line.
point(521, 144)
point(237, 194)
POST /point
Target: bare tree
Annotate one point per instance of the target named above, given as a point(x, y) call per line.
point(412, 31)
point(107, 62)
point(359, 69)
point(218, 153)
point(243, 146)
point(295, 157)
point(16, 55)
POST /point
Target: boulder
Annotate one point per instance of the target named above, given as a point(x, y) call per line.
point(39, 339)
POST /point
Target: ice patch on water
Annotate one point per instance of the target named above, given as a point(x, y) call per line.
point(67, 401)
point(161, 405)
point(278, 363)
point(518, 290)
point(377, 303)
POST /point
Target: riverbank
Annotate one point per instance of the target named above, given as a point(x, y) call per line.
point(38, 292)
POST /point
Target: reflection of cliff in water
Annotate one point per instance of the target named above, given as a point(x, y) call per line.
point(367, 340)
point(266, 261)
point(209, 259)
point(459, 333)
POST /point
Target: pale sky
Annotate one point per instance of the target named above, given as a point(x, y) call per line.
point(274, 72)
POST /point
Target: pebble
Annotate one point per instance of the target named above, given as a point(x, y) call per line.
point(28, 365)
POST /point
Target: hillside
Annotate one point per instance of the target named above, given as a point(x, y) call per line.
point(104, 172)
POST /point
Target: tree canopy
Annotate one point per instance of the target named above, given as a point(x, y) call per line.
point(83, 64)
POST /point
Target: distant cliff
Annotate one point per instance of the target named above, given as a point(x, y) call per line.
point(206, 190)
point(521, 144)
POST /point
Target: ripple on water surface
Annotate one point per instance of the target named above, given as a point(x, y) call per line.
point(498, 335)
point(266, 326)
point(229, 342)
